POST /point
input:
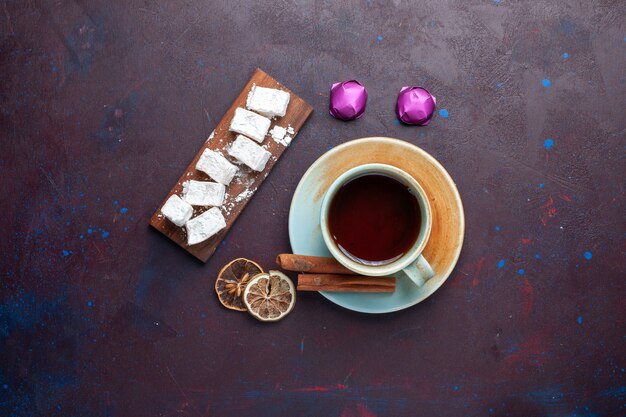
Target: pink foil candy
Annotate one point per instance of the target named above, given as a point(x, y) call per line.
point(347, 100)
point(415, 105)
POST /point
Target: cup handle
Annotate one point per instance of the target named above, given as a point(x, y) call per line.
point(419, 272)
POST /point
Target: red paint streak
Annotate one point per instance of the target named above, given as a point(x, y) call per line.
point(363, 411)
point(320, 388)
point(549, 211)
point(527, 297)
point(548, 203)
point(566, 198)
point(360, 411)
point(472, 270)
point(477, 270)
point(526, 241)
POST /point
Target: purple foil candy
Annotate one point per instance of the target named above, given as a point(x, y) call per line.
point(347, 100)
point(415, 105)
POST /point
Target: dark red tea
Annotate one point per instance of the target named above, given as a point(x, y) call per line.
point(374, 219)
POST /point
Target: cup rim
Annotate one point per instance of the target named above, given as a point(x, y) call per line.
point(419, 245)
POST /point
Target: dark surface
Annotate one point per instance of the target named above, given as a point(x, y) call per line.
point(103, 106)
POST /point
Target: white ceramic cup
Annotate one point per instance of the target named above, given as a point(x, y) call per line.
point(412, 263)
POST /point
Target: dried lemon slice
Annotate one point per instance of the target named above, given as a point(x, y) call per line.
point(232, 280)
point(270, 296)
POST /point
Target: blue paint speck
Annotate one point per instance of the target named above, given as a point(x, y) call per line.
point(379, 39)
point(497, 228)
point(548, 143)
point(396, 122)
point(521, 271)
point(54, 69)
point(501, 264)
point(82, 237)
point(302, 345)
point(90, 303)
point(123, 210)
point(580, 320)
point(105, 234)
point(443, 113)
point(542, 185)
point(65, 253)
point(456, 388)
point(546, 83)
point(496, 1)
point(588, 255)
point(5, 386)
point(537, 256)
point(89, 231)
point(498, 85)
point(565, 55)
point(115, 203)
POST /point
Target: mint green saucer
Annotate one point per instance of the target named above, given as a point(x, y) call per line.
point(443, 248)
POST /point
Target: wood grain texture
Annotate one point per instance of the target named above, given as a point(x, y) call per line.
point(246, 182)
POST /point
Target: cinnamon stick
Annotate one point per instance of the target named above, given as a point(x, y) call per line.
point(345, 283)
point(313, 264)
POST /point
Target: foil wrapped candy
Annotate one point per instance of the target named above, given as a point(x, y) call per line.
point(415, 106)
point(347, 100)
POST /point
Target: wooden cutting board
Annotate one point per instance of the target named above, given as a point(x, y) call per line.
point(244, 185)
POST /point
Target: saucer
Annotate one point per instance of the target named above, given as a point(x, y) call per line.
point(446, 239)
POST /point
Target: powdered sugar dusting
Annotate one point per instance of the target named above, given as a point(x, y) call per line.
point(243, 195)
